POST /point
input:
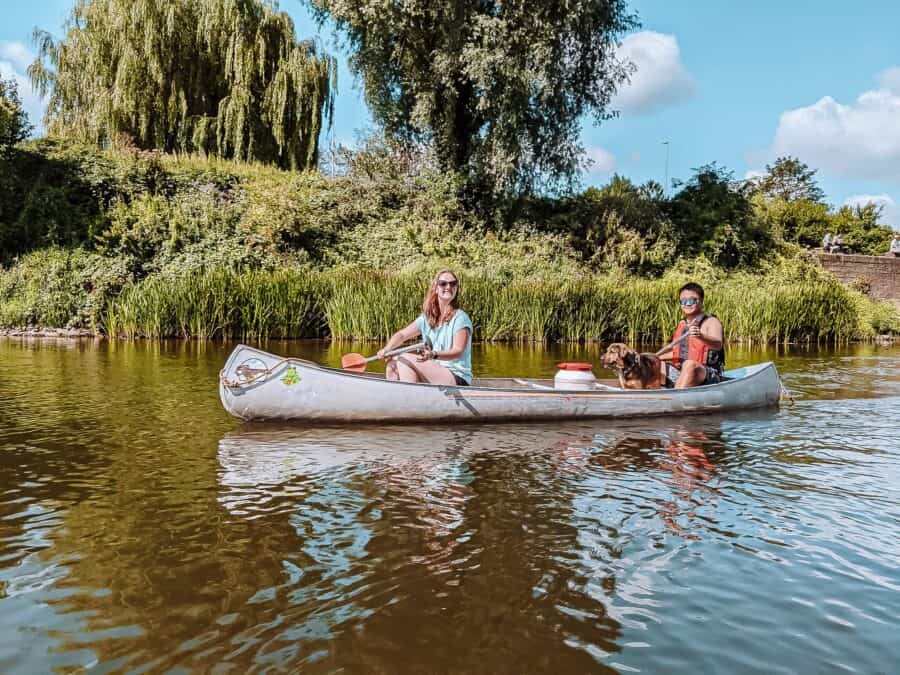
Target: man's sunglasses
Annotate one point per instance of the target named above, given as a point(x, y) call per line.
point(688, 301)
point(444, 284)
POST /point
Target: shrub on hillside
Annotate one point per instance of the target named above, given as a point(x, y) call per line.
point(60, 288)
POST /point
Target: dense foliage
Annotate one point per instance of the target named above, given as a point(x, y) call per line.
point(713, 216)
point(222, 78)
point(789, 179)
point(145, 243)
point(498, 88)
point(14, 126)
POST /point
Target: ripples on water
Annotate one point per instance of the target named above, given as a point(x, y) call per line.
point(142, 529)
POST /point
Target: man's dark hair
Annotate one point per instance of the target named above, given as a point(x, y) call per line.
point(691, 286)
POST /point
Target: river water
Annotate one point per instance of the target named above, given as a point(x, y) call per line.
point(144, 530)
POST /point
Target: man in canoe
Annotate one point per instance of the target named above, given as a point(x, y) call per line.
point(697, 353)
point(443, 326)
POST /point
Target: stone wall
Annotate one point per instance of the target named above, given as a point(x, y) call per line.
point(881, 273)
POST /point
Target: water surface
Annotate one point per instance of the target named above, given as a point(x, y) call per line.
point(142, 529)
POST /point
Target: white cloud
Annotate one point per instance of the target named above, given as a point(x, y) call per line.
point(890, 80)
point(661, 77)
point(890, 211)
point(14, 61)
point(602, 161)
point(16, 53)
point(861, 139)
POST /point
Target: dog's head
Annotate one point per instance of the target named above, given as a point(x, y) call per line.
point(618, 356)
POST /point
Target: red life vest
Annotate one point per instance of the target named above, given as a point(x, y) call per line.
point(697, 349)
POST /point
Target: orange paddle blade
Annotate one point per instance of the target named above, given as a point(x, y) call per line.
point(356, 362)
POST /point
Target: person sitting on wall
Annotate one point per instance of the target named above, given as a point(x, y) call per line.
point(697, 354)
point(895, 245)
point(837, 244)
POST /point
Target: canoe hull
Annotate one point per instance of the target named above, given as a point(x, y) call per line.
point(293, 389)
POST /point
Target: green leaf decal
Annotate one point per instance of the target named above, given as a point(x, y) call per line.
point(291, 376)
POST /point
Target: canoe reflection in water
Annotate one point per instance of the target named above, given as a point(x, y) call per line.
point(554, 531)
point(352, 475)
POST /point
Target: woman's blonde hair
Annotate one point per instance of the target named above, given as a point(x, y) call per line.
point(431, 307)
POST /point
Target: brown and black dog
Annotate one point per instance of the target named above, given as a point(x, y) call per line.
point(635, 370)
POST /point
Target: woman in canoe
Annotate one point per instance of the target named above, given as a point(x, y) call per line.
point(448, 330)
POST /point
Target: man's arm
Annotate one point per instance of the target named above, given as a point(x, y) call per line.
point(710, 332)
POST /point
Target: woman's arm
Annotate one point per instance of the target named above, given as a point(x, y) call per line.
point(460, 340)
point(398, 338)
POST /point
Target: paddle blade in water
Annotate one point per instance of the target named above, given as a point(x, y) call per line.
point(355, 362)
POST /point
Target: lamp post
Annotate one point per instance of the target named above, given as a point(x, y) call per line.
point(666, 184)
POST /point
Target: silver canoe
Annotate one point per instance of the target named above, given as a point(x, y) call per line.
point(256, 385)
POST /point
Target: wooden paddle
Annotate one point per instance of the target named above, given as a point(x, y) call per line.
point(357, 362)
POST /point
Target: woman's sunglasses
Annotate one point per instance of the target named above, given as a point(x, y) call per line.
point(444, 284)
point(688, 301)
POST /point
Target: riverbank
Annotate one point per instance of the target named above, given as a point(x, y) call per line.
point(794, 301)
point(136, 244)
point(40, 332)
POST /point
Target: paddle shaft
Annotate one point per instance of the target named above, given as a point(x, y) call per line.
point(394, 352)
point(672, 344)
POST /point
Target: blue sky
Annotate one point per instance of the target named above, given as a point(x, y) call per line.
point(735, 83)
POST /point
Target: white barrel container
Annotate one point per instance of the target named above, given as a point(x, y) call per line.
point(577, 376)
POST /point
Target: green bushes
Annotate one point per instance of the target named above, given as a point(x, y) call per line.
point(793, 300)
point(59, 288)
point(143, 244)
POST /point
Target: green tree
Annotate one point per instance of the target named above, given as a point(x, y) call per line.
point(801, 221)
point(791, 180)
point(498, 88)
point(223, 78)
point(713, 216)
point(628, 227)
point(859, 229)
point(14, 126)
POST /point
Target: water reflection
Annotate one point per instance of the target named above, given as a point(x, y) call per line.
point(143, 529)
point(492, 525)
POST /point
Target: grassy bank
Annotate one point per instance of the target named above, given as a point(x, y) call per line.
point(793, 301)
point(141, 244)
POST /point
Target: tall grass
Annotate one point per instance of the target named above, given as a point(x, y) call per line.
point(364, 304)
point(221, 303)
point(361, 304)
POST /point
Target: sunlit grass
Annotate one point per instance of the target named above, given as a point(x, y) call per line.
point(354, 304)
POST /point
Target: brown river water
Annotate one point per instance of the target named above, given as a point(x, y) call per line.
point(142, 529)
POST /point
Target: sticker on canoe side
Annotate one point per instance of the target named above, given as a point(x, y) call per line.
point(291, 376)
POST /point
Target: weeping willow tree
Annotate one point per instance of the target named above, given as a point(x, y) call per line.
point(221, 77)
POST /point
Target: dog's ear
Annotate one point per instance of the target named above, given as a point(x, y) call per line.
point(630, 358)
